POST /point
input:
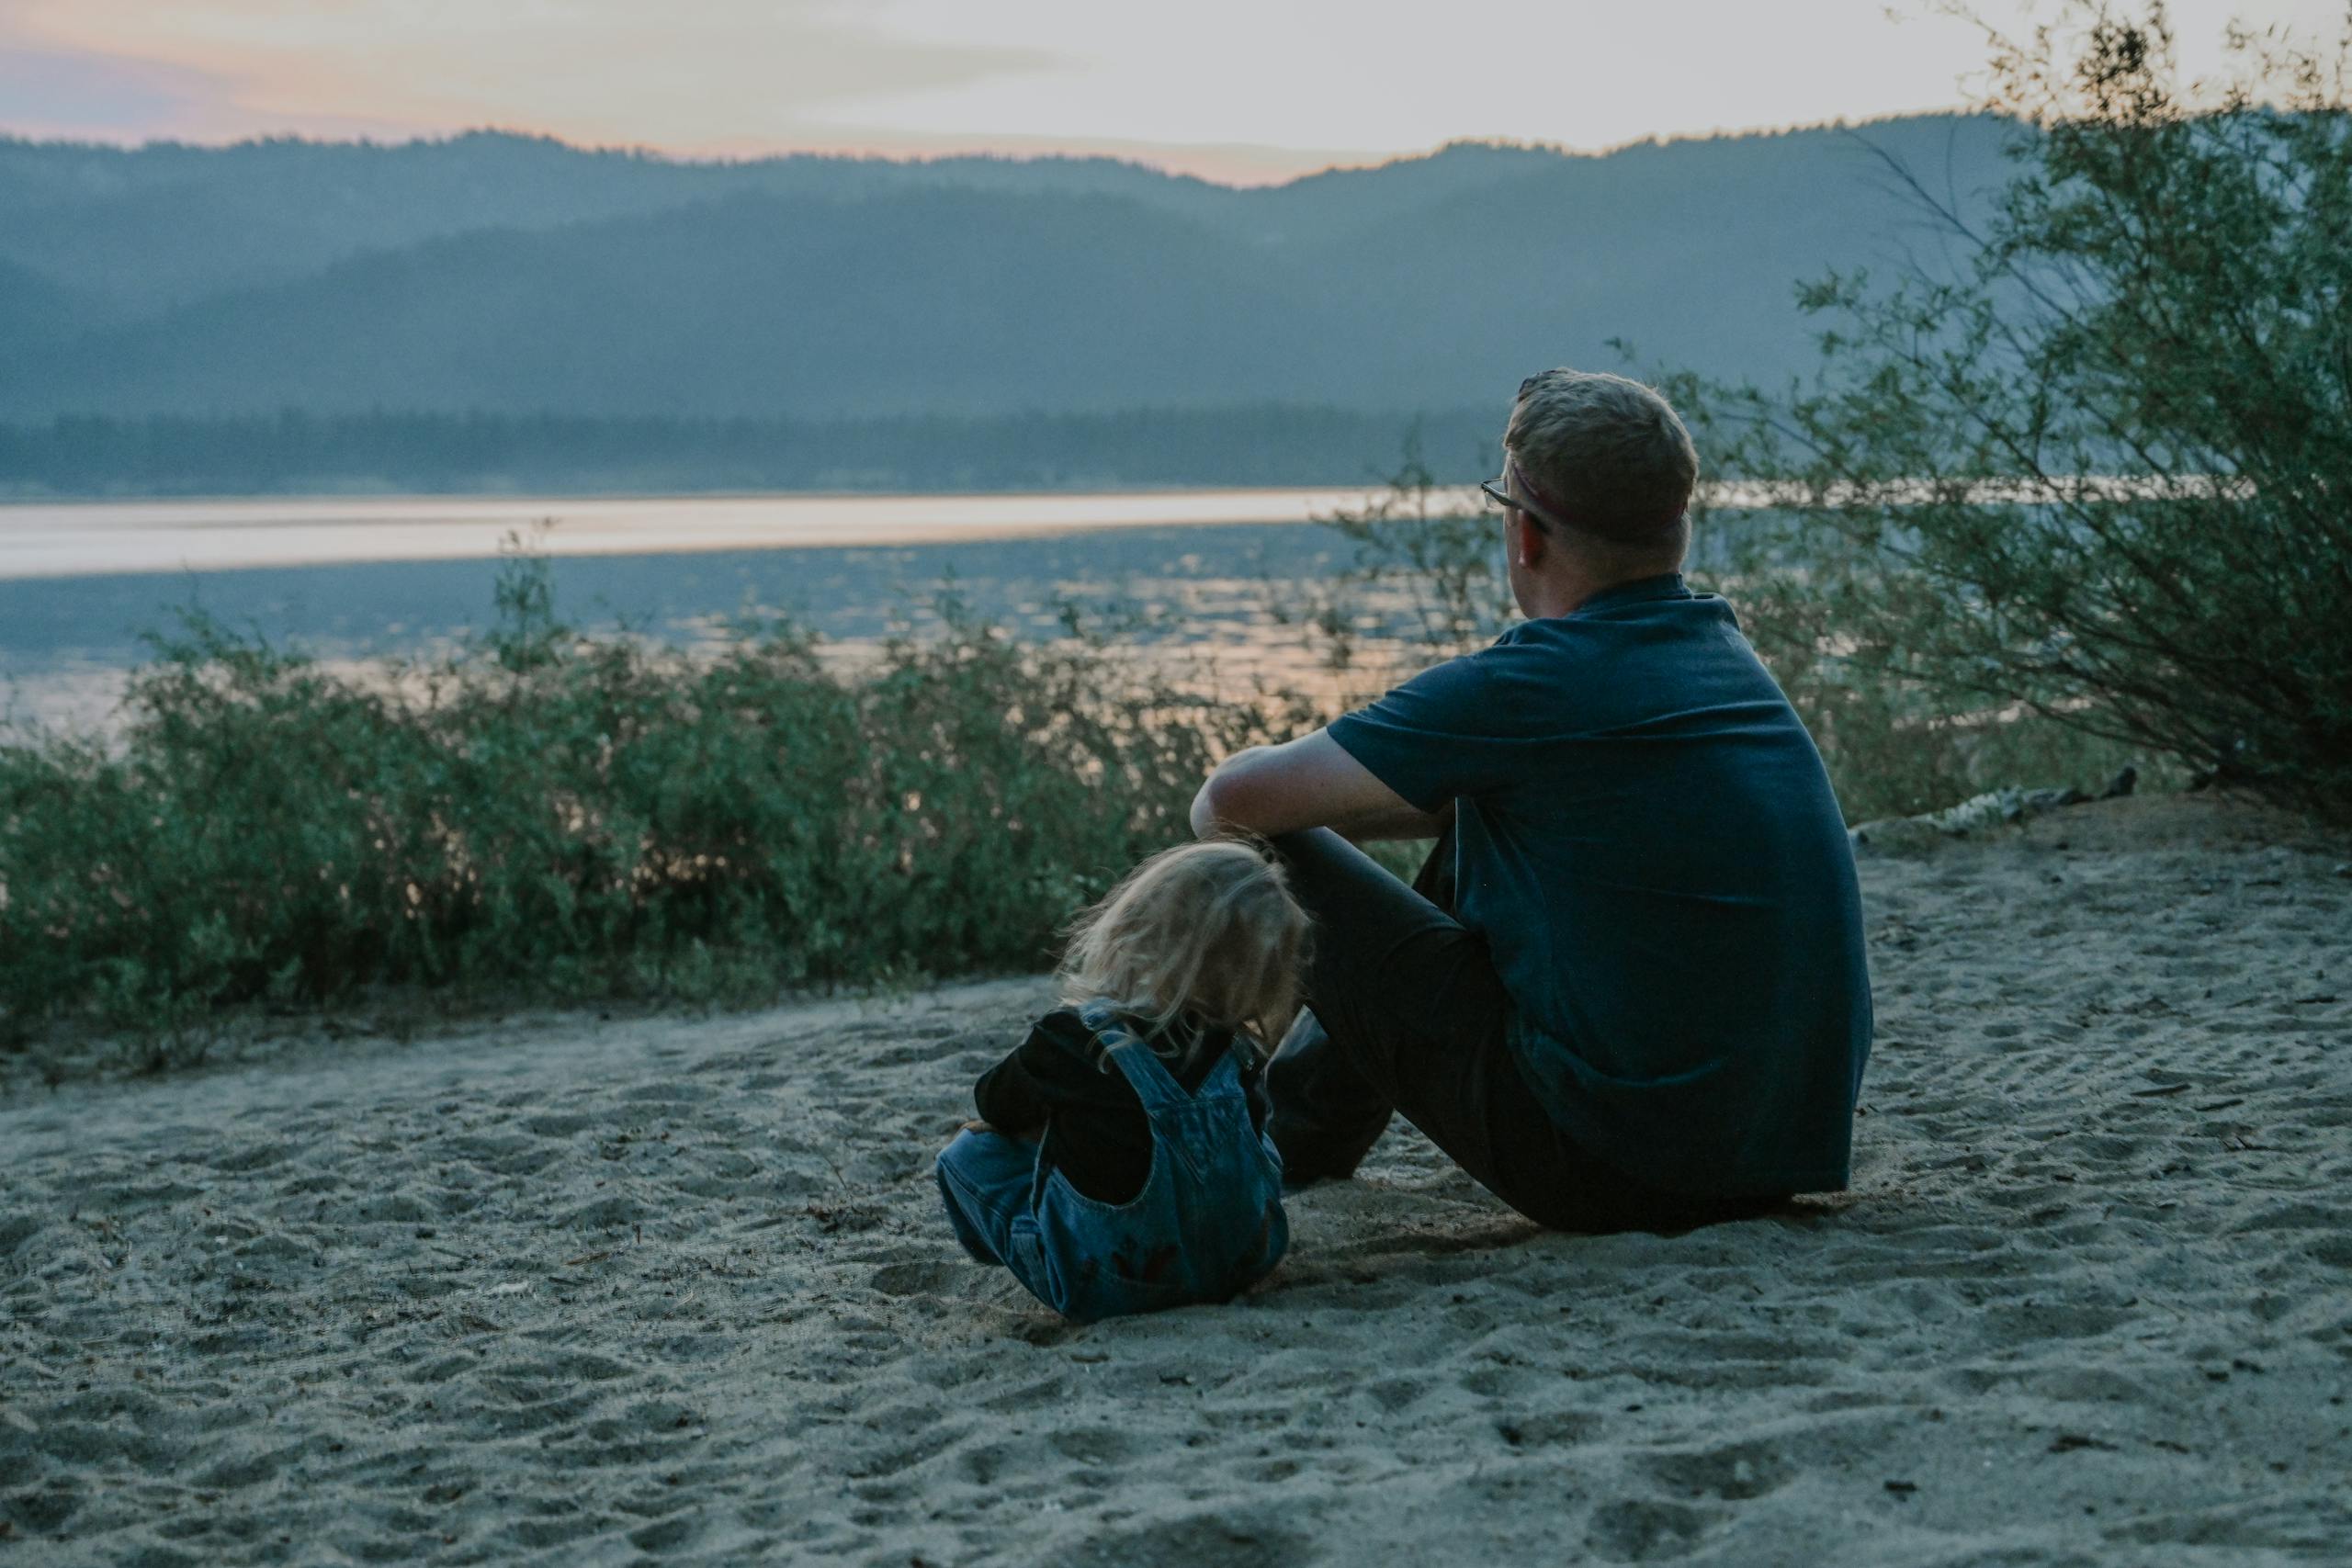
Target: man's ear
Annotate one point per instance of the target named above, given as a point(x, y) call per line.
point(1531, 542)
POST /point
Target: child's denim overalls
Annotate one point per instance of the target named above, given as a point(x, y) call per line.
point(1207, 1224)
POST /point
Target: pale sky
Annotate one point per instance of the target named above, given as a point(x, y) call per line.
point(1237, 90)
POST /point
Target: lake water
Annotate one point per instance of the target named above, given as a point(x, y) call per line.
point(351, 580)
point(82, 539)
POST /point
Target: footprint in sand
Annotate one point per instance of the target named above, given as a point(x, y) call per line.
point(1229, 1538)
point(1561, 1428)
point(1647, 1531)
point(1093, 1445)
point(913, 1278)
point(1736, 1473)
point(670, 1093)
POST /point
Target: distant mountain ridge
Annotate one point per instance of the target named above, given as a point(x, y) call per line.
point(512, 275)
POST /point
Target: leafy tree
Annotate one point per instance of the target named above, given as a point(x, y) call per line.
point(2093, 461)
point(1425, 581)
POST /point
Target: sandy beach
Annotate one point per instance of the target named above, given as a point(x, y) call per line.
point(571, 1289)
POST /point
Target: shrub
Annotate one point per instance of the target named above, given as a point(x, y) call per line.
point(552, 814)
point(2099, 469)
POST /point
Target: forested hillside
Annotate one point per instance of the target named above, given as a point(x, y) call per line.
point(516, 277)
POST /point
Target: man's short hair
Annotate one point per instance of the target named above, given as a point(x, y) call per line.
point(1610, 454)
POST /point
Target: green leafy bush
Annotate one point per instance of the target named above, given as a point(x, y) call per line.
point(2098, 468)
point(553, 815)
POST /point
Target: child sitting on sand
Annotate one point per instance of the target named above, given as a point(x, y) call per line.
point(1121, 1163)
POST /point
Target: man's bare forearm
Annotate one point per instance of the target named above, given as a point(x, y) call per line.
point(1311, 781)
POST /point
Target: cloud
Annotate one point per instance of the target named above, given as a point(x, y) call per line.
point(719, 71)
point(70, 96)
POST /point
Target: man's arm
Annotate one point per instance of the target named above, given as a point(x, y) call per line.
point(1307, 782)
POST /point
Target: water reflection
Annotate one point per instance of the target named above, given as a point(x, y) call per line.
point(80, 539)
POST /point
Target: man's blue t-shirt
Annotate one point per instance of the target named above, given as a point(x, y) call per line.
point(1649, 842)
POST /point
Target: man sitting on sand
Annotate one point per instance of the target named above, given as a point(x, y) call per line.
point(1627, 990)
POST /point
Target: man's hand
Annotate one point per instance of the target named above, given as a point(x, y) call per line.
point(1308, 782)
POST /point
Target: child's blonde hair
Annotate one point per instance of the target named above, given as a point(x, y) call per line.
point(1209, 928)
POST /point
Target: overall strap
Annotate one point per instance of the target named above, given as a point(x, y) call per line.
point(1154, 1084)
point(1137, 1061)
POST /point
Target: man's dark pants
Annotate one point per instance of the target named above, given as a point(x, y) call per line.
point(1409, 1016)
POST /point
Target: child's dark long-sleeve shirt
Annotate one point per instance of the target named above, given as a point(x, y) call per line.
point(1095, 1132)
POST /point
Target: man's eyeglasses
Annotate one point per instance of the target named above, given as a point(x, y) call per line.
point(1497, 491)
